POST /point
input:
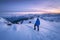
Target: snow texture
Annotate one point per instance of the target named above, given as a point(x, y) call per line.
point(48, 31)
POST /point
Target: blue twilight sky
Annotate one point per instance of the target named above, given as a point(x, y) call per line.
point(35, 6)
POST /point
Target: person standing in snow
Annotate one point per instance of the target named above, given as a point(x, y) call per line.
point(36, 25)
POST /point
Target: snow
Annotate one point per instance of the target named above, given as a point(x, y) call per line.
point(2, 19)
point(48, 31)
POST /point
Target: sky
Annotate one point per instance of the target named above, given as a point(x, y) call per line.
point(29, 6)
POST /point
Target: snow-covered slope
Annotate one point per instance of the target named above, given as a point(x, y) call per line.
point(48, 31)
point(2, 19)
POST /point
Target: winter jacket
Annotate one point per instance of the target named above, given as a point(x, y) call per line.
point(37, 22)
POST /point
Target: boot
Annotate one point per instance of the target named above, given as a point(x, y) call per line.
point(37, 28)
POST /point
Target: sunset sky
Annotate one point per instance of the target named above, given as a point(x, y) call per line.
point(30, 6)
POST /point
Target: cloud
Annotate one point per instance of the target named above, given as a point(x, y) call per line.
point(31, 6)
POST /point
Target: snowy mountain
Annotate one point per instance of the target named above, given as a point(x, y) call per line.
point(47, 17)
point(48, 31)
point(51, 17)
point(2, 20)
point(16, 19)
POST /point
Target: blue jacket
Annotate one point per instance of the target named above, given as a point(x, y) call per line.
point(37, 22)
